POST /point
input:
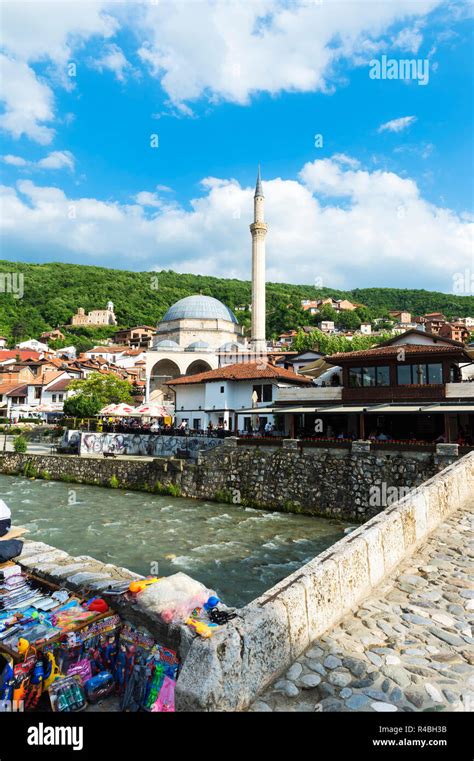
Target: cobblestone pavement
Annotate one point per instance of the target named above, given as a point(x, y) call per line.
point(407, 648)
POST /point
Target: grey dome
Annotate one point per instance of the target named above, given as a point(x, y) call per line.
point(197, 345)
point(231, 346)
point(167, 344)
point(199, 308)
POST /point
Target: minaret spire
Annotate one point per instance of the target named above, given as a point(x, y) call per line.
point(258, 186)
point(258, 230)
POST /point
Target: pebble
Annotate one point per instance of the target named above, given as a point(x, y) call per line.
point(261, 707)
point(357, 701)
point(384, 707)
point(339, 678)
point(288, 688)
point(315, 652)
point(317, 667)
point(392, 660)
point(376, 694)
point(374, 658)
point(355, 667)
point(396, 695)
point(346, 692)
point(434, 693)
point(294, 672)
point(412, 618)
point(397, 675)
point(331, 662)
point(451, 639)
point(309, 681)
point(443, 619)
point(415, 698)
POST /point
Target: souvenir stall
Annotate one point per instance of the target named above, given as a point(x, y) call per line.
point(60, 651)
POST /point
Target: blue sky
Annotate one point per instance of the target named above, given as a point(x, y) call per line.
point(386, 200)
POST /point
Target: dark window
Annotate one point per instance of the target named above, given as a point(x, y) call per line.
point(355, 377)
point(404, 375)
point(197, 423)
point(435, 373)
point(247, 424)
point(369, 376)
point(258, 391)
point(419, 375)
point(222, 389)
point(267, 393)
point(54, 397)
point(37, 393)
point(383, 376)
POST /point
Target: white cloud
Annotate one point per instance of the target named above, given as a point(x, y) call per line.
point(34, 32)
point(57, 160)
point(348, 226)
point(229, 51)
point(14, 160)
point(113, 59)
point(53, 160)
point(27, 100)
point(397, 125)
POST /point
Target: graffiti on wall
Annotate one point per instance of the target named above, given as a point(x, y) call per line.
point(146, 445)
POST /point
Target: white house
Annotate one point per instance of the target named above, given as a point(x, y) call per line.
point(34, 345)
point(217, 396)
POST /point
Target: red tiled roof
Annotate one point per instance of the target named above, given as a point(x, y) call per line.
point(243, 371)
point(393, 351)
point(6, 354)
point(61, 385)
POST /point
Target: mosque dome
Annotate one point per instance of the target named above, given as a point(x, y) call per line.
point(167, 344)
point(230, 346)
point(197, 346)
point(199, 308)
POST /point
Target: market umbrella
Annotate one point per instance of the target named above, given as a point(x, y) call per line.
point(108, 410)
point(122, 410)
point(150, 410)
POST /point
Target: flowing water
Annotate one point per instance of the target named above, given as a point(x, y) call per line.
point(238, 552)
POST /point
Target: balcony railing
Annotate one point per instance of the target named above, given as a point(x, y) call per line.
point(425, 393)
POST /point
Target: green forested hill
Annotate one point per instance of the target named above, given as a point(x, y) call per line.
point(53, 292)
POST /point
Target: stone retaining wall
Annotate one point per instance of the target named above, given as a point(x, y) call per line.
point(353, 484)
point(228, 671)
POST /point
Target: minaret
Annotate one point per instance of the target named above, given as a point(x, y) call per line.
point(258, 230)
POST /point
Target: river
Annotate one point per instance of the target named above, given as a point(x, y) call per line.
point(238, 552)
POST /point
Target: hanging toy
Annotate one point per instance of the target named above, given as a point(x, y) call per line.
point(35, 687)
point(51, 671)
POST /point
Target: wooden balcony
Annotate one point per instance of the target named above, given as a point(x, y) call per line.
point(426, 393)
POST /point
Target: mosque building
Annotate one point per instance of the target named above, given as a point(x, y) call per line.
point(200, 333)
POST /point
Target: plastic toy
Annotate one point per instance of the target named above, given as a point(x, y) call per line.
point(99, 686)
point(139, 586)
point(204, 630)
point(51, 671)
point(211, 603)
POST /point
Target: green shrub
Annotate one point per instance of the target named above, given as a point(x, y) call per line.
point(20, 443)
point(173, 490)
point(114, 482)
point(45, 475)
point(29, 470)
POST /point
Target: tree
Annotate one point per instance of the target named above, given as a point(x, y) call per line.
point(95, 392)
point(348, 321)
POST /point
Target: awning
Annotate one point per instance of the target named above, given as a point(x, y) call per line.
point(315, 369)
point(469, 408)
point(252, 411)
point(389, 408)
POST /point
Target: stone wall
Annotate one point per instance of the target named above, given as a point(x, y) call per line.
point(228, 671)
point(353, 483)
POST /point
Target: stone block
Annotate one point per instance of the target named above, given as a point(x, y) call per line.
point(373, 539)
point(393, 542)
